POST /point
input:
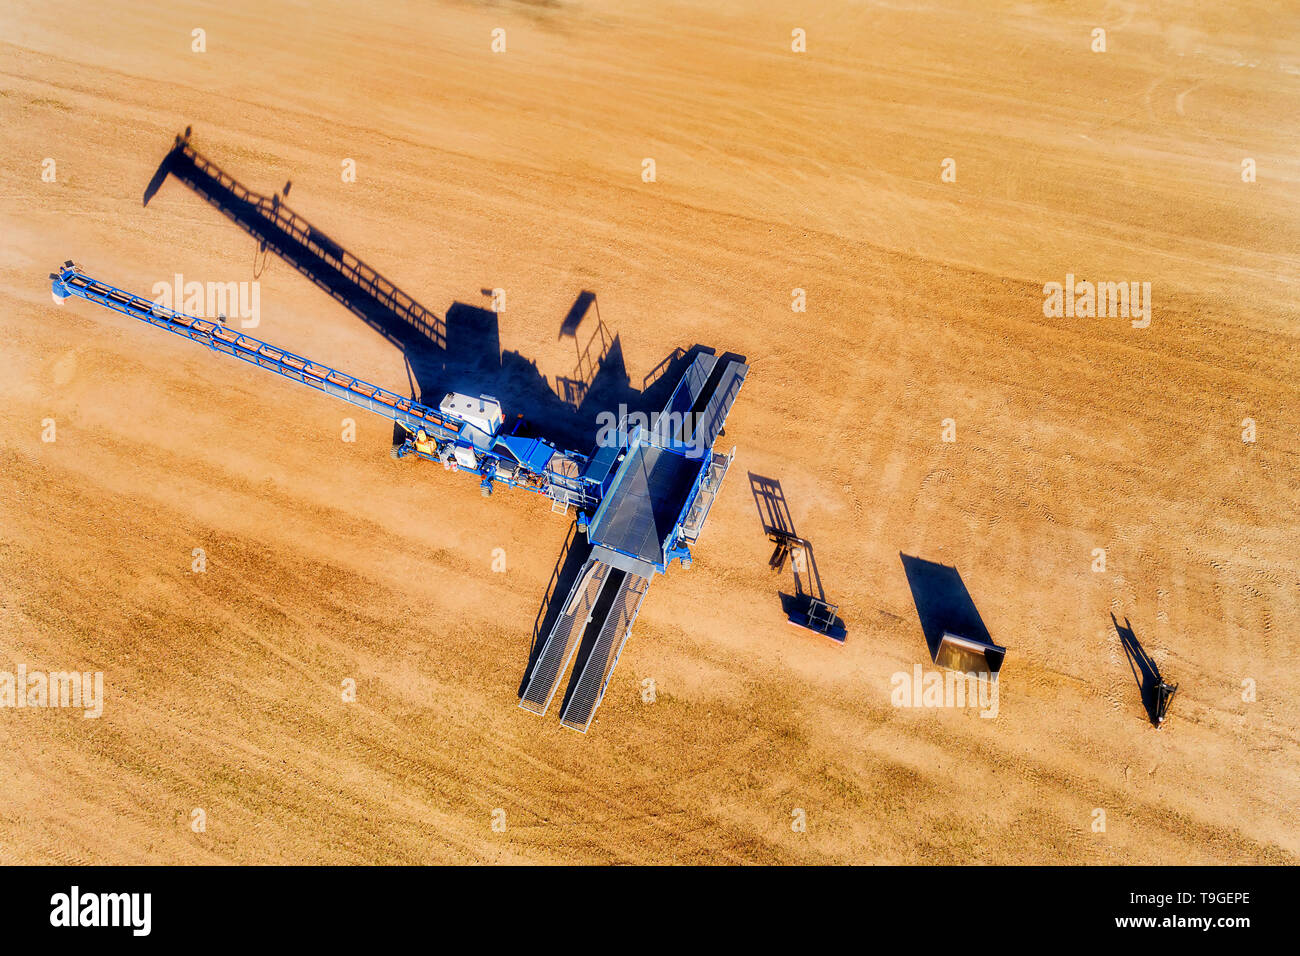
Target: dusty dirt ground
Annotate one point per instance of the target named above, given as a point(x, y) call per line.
point(776, 170)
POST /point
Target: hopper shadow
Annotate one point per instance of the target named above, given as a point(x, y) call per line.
point(942, 603)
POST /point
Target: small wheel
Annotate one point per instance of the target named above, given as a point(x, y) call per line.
point(395, 451)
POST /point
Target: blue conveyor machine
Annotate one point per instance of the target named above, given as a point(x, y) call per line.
point(642, 496)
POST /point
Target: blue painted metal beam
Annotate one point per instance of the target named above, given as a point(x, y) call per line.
point(413, 416)
point(531, 464)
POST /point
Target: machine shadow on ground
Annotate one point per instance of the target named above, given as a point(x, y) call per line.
point(778, 525)
point(1145, 671)
point(942, 603)
point(459, 352)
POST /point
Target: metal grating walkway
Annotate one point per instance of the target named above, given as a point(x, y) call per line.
point(669, 424)
point(711, 420)
point(564, 637)
point(694, 522)
point(643, 502)
point(589, 687)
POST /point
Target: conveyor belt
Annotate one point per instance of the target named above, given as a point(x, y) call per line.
point(220, 338)
point(589, 685)
point(668, 427)
point(648, 494)
point(564, 637)
point(709, 422)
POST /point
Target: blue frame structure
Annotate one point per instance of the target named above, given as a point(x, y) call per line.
point(512, 460)
point(642, 500)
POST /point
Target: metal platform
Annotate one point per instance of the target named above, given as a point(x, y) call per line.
point(641, 509)
point(668, 426)
point(624, 562)
point(820, 616)
point(708, 422)
point(708, 493)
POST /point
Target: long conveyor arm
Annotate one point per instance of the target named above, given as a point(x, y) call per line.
point(216, 336)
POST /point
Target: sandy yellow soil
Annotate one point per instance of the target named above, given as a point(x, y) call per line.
point(776, 170)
